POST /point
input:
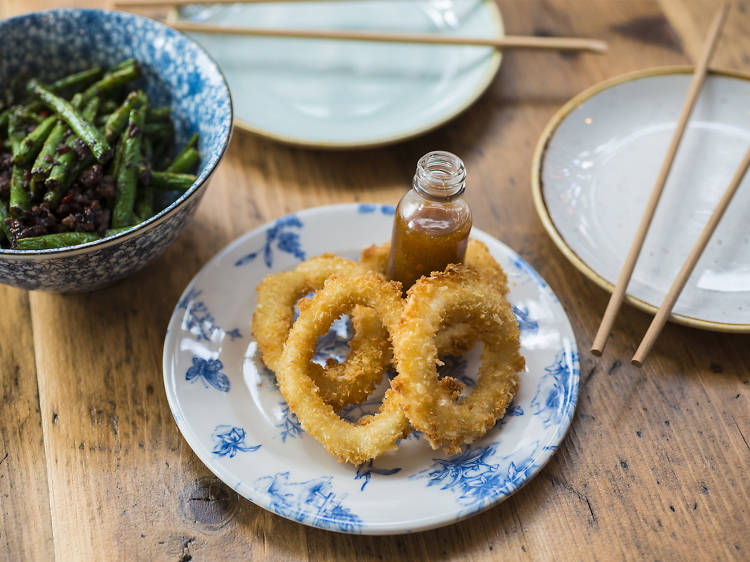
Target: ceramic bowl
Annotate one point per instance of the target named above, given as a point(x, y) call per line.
point(175, 72)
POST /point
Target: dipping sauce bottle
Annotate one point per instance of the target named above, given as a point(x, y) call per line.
point(432, 221)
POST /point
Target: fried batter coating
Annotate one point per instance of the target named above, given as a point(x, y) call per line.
point(354, 443)
point(369, 355)
point(454, 338)
point(432, 405)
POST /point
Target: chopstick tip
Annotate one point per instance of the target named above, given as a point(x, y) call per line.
point(596, 350)
point(599, 46)
point(636, 362)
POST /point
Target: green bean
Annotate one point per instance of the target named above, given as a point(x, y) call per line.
point(65, 168)
point(58, 240)
point(127, 174)
point(168, 180)
point(186, 161)
point(192, 142)
point(124, 64)
point(28, 148)
point(5, 117)
point(19, 197)
point(118, 119)
point(144, 202)
point(46, 158)
point(158, 114)
point(75, 80)
point(4, 215)
point(162, 130)
point(88, 133)
point(109, 106)
point(114, 231)
point(112, 80)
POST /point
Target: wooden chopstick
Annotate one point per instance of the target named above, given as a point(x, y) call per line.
point(510, 41)
point(618, 294)
point(695, 253)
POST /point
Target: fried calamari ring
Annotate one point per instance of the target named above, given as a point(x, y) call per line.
point(454, 338)
point(372, 436)
point(432, 404)
point(340, 384)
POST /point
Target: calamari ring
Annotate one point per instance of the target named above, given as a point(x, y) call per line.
point(340, 384)
point(372, 436)
point(454, 338)
point(432, 405)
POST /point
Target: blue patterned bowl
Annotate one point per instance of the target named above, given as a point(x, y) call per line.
point(176, 72)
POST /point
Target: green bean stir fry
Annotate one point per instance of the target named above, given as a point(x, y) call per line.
point(85, 157)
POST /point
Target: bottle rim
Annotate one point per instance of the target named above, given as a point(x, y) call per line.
point(440, 175)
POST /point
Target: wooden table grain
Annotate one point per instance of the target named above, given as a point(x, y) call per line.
point(655, 465)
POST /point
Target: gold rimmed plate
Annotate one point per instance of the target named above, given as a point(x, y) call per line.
point(594, 167)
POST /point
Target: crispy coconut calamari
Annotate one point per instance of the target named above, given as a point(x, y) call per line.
point(455, 338)
point(434, 406)
point(373, 435)
point(445, 313)
point(369, 355)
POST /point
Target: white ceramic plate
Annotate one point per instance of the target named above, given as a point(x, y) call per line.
point(595, 167)
point(230, 411)
point(340, 94)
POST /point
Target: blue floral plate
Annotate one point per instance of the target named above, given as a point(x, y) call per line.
point(230, 411)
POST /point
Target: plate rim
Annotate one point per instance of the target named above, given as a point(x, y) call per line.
point(481, 87)
point(537, 164)
point(243, 489)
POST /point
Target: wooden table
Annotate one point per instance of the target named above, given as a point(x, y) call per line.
point(92, 466)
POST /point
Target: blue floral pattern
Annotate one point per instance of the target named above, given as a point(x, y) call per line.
point(209, 372)
point(455, 367)
point(558, 389)
point(313, 502)
point(526, 324)
point(366, 470)
point(289, 425)
point(199, 321)
point(335, 343)
point(514, 410)
point(285, 239)
point(473, 476)
point(367, 208)
point(230, 440)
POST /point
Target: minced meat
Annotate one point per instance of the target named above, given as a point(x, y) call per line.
point(84, 208)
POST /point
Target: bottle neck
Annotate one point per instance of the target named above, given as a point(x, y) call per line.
point(440, 176)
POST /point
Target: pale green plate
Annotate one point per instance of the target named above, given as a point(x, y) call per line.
point(342, 94)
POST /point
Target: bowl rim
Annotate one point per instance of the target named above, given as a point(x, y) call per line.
point(162, 215)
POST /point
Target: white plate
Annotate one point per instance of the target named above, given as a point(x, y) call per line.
point(596, 165)
point(339, 94)
point(231, 413)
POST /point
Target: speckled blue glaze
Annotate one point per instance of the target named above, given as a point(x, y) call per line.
point(176, 72)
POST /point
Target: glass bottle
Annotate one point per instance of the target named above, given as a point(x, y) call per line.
point(432, 221)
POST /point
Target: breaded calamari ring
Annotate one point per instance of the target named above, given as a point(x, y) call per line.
point(454, 338)
point(371, 436)
point(340, 384)
point(431, 404)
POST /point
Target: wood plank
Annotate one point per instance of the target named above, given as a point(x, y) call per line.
point(25, 523)
point(654, 465)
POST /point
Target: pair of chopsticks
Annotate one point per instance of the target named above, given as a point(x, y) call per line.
point(507, 42)
point(695, 253)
